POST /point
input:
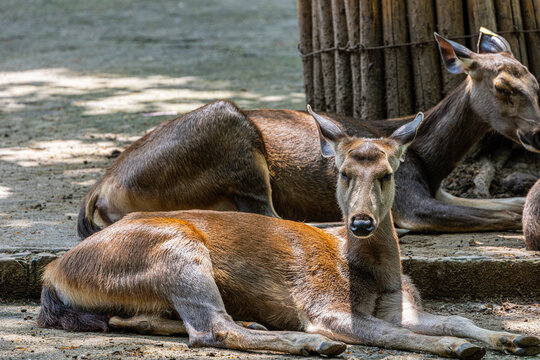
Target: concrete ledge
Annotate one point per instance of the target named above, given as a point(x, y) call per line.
point(20, 274)
point(474, 277)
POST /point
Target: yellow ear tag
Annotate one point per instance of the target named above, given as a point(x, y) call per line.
point(483, 30)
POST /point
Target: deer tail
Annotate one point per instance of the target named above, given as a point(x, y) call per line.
point(85, 222)
point(55, 314)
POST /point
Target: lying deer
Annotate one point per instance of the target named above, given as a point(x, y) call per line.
point(266, 161)
point(531, 218)
point(321, 287)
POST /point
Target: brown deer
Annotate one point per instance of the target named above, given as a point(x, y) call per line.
point(220, 157)
point(319, 288)
point(531, 218)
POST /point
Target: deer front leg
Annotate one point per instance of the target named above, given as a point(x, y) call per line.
point(514, 204)
point(415, 208)
point(425, 323)
point(195, 296)
point(433, 215)
point(411, 316)
point(367, 330)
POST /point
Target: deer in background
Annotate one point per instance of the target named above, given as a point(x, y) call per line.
point(321, 288)
point(531, 218)
point(267, 161)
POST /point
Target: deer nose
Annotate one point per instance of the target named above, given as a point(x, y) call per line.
point(362, 225)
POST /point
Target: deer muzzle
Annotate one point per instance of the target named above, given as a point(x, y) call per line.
point(362, 225)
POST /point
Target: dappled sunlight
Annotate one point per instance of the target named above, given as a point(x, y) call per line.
point(111, 136)
point(160, 99)
point(293, 97)
point(25, 223)
point(510, 247)
point(100, 94)
point(517, 325)
point(5, 192)
point(86, 183)
point(47, 152)
point(471, 246)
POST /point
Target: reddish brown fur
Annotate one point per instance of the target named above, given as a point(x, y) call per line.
point(207, 266)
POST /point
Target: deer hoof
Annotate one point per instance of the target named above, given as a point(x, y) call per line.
point(524, 345)
point(526, 341)
point(331, 348)
point(528, 351)
point(469, 351)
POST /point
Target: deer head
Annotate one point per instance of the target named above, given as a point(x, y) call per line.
point(365, 185)
point(503, 91)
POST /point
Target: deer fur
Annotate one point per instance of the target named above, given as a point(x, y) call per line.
point(265, 161)
point(317, 288)
point(531, 218)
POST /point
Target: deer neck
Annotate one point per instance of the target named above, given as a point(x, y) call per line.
point(377, 255)
point(449, 131)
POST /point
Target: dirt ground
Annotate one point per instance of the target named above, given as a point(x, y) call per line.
point(21, 339)
point(514, 177)
point(81, 80)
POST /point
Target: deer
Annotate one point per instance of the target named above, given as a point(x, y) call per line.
point(531, 218)
point(264, 161)
point(195, 272)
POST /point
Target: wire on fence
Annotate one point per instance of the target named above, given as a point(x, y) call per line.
point(362, 48)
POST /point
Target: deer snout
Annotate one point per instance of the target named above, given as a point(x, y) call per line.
point(362, 225)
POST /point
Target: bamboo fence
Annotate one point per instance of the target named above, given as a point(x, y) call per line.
point(377, 59)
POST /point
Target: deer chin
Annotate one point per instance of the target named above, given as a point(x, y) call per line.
point(528, 143)
point(530, 148)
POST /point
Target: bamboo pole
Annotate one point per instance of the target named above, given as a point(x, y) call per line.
point(425, 59)
point(531, 20)
point(450, 23)
point(509, 19)
point(305, 46)
point(326, 36)
point(353, 30)
point(481, 13)
point(372, 63)
point(318, 81)
point(397, 70)
point(344, 101)
point(537, 17)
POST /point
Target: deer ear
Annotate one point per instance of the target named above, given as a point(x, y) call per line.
point(456, 57)
point(329, 133)
point(491, 43)
point(405, 134)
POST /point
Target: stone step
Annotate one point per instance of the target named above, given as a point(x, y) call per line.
point(444, 266)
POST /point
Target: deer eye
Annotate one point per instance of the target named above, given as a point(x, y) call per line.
point(504, 91)
point(386, 178)
point(344, 176)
